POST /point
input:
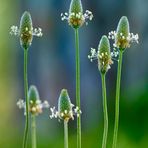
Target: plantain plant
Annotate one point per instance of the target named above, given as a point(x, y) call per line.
point(26, 32)
point(32, 104)
point(36, 107)
point(76, 18)
point(103, 55)
point(122, 40)
point(65, 112)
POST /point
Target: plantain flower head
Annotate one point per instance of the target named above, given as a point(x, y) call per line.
point(76, 18)
point(122, 36)
point(26, 31)
point(65, 108)
point(35, 104)
point(64, 105)
point(103, 55)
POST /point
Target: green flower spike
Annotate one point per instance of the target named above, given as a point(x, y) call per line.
point(103, 55)
point(76, 18)
point(76, 8)
point(26, 34)
point(26, 31)
point(65, 108)
point(122, 36)
point(123, 31)
point(35, 104)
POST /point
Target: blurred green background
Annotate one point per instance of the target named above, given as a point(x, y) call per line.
point(52, 67)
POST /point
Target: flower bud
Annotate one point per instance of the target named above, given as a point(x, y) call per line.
point(76, 18)
point(104, 56)
point(26, 30)
point(122, 39)
point(65, 106)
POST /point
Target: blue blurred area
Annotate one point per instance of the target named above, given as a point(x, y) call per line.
point(52, 67)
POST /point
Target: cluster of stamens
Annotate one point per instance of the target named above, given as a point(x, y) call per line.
point(104, 61)
point(96, 54)
point(34, 107)
point(103, 58)
point(77, 19)
point(121, 40)
point(65, 114)
point(93, 55)
point(14, 30)
point(114, 53)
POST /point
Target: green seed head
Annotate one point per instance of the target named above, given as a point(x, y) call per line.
point(76, 18)
point(33, 94)
point(104, 56)
point(26, 30)
point(65, 106)
point(121, 39)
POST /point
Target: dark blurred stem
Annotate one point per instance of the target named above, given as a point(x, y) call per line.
point(26, 98)
point(104, 141)
point(78, 87)
point(117, 100)
point(33, 131)
point(65, 133)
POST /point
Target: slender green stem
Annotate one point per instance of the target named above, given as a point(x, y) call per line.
point(104, 141)
point(117, 100)
point(26, 98)
point(65, 133)
point(78, 87)
point(33, 131)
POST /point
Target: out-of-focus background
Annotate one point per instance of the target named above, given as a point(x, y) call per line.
point(52, 67)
